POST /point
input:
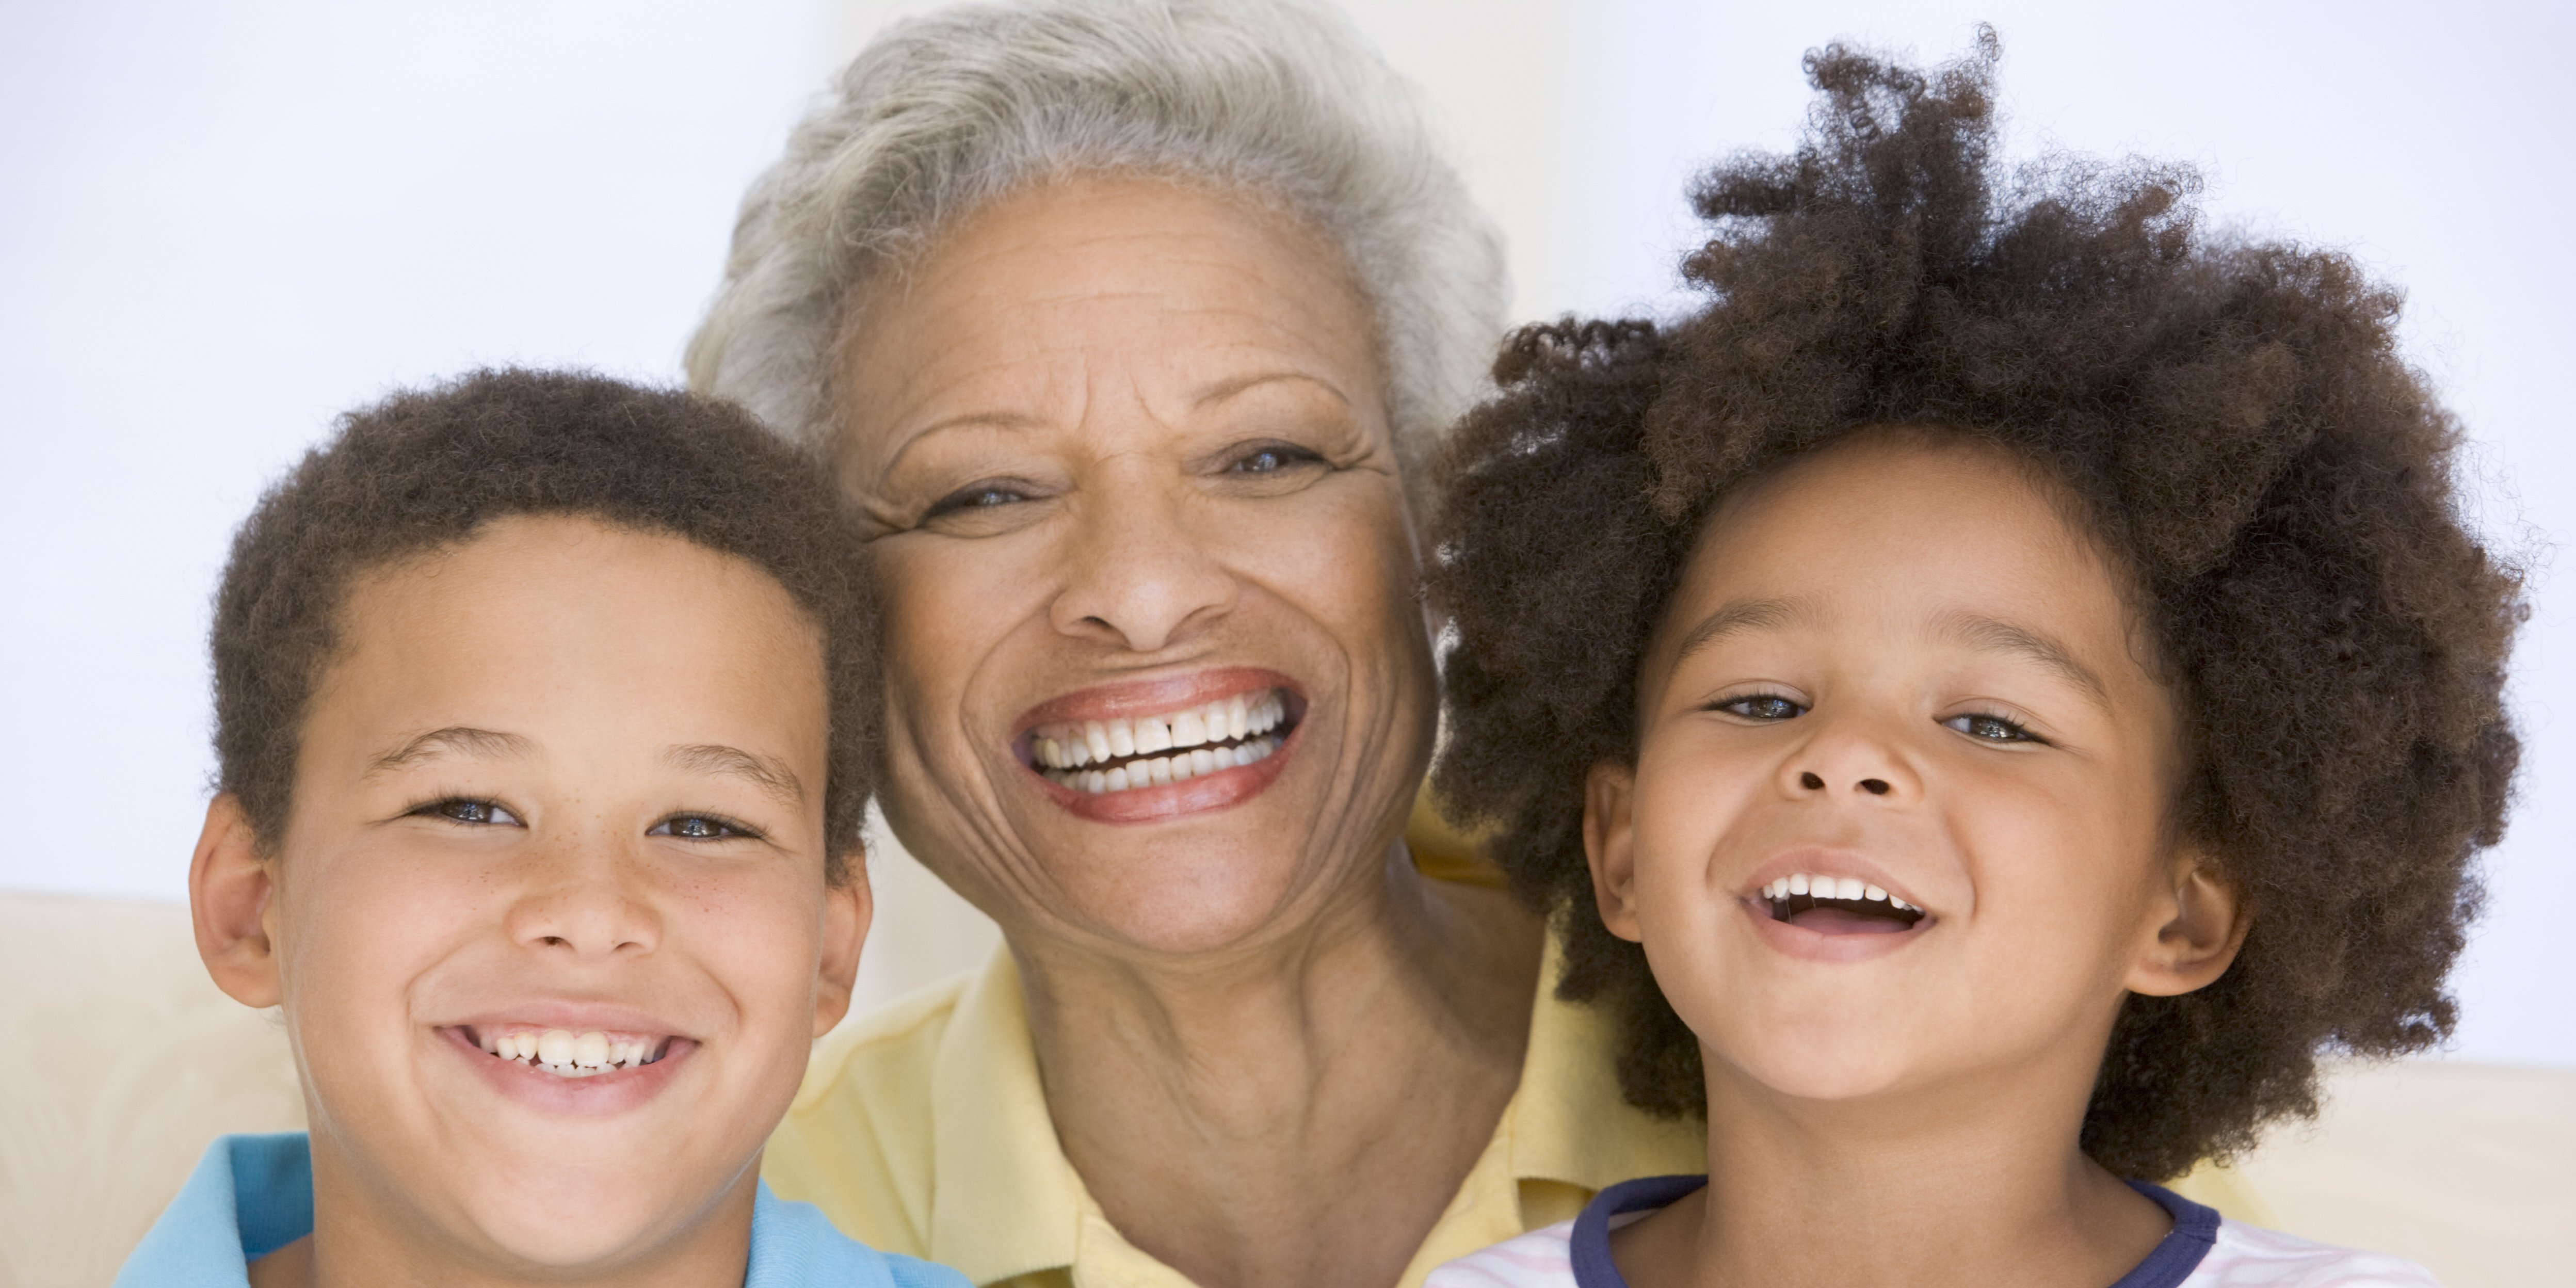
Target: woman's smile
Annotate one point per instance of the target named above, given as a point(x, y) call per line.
point(1139, 751)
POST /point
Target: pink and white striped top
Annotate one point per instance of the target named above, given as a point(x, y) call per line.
point(2204, 1251)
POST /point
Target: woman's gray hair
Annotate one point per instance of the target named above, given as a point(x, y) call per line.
point(1277, 99)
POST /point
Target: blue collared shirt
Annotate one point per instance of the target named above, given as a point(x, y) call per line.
point(252, 1195)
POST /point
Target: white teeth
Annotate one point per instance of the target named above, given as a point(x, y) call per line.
point(1158, 771)
point(1189, 729)
point(1223, 756)
point(1122, 740)
point(568, 1054)
point(1238, 719)
point(590, 1050)
point(1116, 779)
point(1202, 761)
point(1153, 736)
point(554, 1046)
point(1852, 888)
point(1097, 739)
point(1062, 752)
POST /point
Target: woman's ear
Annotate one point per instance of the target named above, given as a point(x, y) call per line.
point(2198, 922)
point(230, 900)
point(847, 910)
point(1609, 824)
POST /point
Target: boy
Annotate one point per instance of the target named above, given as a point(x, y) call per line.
point(1990, 697)
point(542, 719)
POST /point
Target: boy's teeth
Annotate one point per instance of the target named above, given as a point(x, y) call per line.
point(572, 1055)
point(1068, 754)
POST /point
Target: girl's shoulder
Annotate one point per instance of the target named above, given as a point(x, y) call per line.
point(1542, 1258)
point(2249, 1256)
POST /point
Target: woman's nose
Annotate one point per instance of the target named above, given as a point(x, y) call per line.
point(584, 900)
point(1138, 576)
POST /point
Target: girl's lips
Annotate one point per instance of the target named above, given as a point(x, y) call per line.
point(1835, 943)
point(598, 1096)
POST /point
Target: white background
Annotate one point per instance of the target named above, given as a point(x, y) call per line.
point(220, 225)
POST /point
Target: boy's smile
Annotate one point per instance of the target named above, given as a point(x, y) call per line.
point(549, 916)
point(1900, 803)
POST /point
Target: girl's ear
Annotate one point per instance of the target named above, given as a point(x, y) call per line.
point(230, 889)
point(1609, 797)
point(2197, 923)
point(847, 910)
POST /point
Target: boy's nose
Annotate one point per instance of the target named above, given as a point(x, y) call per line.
point(584, 902)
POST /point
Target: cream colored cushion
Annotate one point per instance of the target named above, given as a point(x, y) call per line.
point(123, 1062)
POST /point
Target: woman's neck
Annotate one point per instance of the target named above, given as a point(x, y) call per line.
point(1301, 1112)
point(1975, 1182)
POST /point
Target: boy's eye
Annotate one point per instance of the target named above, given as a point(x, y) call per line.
point(1989, 728)
point(1762, 706)
point(477, 813)
point(699, 827)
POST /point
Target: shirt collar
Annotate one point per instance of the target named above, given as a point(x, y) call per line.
point(249, 1196)
point(998, 1151)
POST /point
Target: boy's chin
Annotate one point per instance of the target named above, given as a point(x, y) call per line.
point(589, 1221)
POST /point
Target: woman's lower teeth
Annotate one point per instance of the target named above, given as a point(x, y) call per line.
point(1179, 767)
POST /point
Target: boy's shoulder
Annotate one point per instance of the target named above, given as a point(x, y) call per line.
point(2249, 1256)
point(793, 1245)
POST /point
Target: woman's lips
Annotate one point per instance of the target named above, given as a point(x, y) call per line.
point(1151, 750)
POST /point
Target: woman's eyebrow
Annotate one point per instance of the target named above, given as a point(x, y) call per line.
point(1745, 615)
point(1994, 635)
point(766, 773)
point(1233, 385)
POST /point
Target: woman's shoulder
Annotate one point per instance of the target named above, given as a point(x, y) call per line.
point(1542, 1258)
point(858, 1142)
point(2245, 1256)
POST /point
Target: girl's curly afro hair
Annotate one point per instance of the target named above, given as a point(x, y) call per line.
point(2234, 419)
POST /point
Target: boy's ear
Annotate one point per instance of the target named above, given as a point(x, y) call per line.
point(847, 910)
point(1609, 796)
point(231, 900)
point(2198, 923)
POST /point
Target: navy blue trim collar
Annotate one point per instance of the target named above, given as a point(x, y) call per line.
point(2195, 1231)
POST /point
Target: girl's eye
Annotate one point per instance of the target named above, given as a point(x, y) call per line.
point(1989, 728)
point(980, 496)
point(1272, 459)
point(1762, 706)
point(473, 812)
point(698, 827)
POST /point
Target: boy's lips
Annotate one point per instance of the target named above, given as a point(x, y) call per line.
point(1145, 750)
point(580, 1059)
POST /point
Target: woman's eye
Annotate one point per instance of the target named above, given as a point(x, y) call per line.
point(1271, 460)
point(1762, 706)
point(698, 827)
point(1989, 728)
point(981, 496)
point(476, 813)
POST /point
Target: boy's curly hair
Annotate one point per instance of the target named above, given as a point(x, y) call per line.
point(425, 470)
point(2234, 419)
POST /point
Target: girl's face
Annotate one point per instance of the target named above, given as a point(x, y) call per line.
point(1900, 811)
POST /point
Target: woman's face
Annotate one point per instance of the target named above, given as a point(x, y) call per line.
point(1156, 674)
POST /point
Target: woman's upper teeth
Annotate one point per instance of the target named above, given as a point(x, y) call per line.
point(1827, 887)
point(1094, 742)
point(573, 1055)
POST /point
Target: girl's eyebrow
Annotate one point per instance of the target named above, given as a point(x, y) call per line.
point(1994, 635)
point(1746, 615)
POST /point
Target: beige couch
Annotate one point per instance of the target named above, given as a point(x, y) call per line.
point(126, 1062)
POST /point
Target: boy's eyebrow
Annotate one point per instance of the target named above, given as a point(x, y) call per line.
point(460, 740)
point(1743, 615)
point(763, 772)
point(1995, 635)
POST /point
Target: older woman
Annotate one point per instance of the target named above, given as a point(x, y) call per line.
point(1129, 323)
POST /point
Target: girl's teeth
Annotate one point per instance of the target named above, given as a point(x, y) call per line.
point(1833, 888)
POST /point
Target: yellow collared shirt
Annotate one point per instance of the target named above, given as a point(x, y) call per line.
point(923, 1130)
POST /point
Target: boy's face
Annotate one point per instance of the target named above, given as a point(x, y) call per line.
point(564, 779)
point(1896, 682)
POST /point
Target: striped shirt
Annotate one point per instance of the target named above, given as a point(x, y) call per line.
point(2204, 1250)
